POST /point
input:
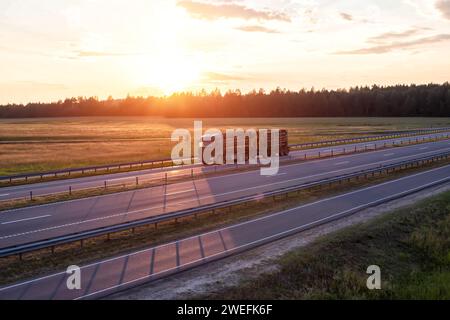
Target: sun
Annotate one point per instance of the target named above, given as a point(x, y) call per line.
point(167, 65)
point(169, 73)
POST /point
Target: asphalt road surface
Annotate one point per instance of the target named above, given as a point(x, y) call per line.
point(31, 224)
point(58, 186)
point(115, 274)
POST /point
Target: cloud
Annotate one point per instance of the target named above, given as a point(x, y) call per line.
point(444, 7)
point(202, 10)
point(396, 35)
point(220, 77)
point(256, 28)
point(346, 16)
point(399, 45)
point(86, 54)
point(41, 85)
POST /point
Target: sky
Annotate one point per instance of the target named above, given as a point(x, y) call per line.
point(53, 49)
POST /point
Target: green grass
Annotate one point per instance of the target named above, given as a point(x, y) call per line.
point(411, 246)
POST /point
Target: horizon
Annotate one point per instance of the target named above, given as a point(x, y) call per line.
point(222, 93)
point(53, 50)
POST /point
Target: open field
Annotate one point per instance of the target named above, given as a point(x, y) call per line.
point(29, 145)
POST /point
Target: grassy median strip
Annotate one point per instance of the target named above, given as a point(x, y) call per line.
point(44, 261)
point(411, 246)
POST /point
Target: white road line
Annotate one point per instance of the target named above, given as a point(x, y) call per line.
point(27, 219)
point(341, 163)
point(388, 154)
point(249, 244)
point(423, 148)
point(251, 172)
point(4, 195)
point(276, 175)
point(235, 225)
point(178, 192)
point(176, 204)
point(117, 179)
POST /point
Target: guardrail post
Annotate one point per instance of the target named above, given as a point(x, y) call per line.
point(105, 184)
point(31, 195)
point(70, 190)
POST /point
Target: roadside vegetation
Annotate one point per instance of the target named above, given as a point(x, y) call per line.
point(410, 245)
point(45, 261)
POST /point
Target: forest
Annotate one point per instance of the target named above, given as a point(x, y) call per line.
point(428, 100)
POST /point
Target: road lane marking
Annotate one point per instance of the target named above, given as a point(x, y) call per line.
point(341, 163)
point(176, 204)
point(423, 148)
point(245, 245)
point(388, 154)
point(26, 219)
point(124, 178)
point(4, 195)
point(276, 175)
point(149, 171)
point(233, 226)
point(253, 172)
point(178, 192)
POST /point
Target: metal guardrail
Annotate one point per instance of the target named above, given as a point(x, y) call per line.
point(51, 243)
point(367, 138)
point(108, 167)
point(164, 177)
point(168, 161)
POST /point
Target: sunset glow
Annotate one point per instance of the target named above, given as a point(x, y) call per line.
point(56, 49)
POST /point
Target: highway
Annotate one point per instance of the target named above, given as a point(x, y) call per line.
point(31, 224)
point(58, 186)
point(112, 275)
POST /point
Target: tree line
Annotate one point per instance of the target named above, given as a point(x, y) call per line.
point(430, 100)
